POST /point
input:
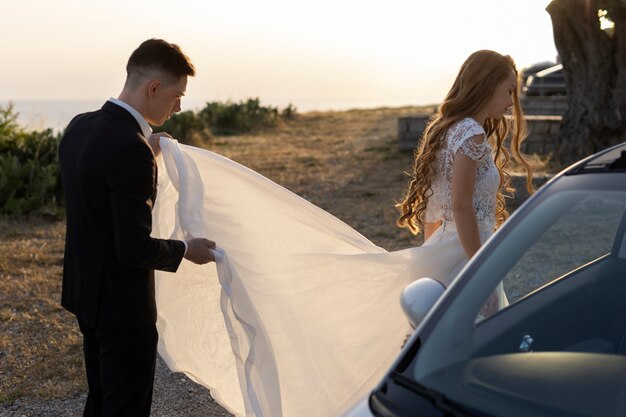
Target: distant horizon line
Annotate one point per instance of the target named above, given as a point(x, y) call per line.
point(55, 114)
point(337, 104)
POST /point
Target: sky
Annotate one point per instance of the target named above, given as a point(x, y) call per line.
point(326, 54)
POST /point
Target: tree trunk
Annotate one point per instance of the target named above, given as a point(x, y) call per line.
point(594, 66)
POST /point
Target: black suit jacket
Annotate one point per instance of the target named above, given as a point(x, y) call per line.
point(109, 178)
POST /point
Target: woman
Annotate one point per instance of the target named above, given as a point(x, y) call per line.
point(459, 174)
point(302, 317)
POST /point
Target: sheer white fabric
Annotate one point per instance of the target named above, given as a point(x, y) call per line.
point(460, 138)
point(301, 316)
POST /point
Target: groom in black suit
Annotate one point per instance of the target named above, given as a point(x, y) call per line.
point(109, 175)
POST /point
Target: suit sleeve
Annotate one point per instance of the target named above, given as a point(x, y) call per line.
point(130, 178)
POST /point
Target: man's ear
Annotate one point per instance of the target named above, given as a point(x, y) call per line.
point(153, 87)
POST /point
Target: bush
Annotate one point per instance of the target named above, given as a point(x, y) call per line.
point(229, 118)
point(243, 117)
point(289, 112)
point(29, 169)
point(187, 127)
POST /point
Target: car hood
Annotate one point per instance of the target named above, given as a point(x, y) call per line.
point(537, 384)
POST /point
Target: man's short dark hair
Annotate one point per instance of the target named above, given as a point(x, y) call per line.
point(157, 54)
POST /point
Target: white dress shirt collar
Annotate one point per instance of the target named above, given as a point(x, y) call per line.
point(143, 124)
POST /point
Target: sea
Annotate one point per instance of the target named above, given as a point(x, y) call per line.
point(56, 114)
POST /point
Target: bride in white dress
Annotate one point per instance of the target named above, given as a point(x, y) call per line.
point(301, 316)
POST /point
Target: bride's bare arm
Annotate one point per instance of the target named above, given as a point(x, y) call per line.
point(463, 181)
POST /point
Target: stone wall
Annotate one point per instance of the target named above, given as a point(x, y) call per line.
point(543, 115)
point(410, 130)
point(543, 134)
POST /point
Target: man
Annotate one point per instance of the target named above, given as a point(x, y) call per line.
point(109, 177)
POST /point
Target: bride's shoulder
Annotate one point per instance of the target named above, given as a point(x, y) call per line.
point(464, 129)
point(467, 124)
point(468, 135)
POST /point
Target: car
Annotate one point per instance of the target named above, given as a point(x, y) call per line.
point(547, 82)
point(559, 347)
point(535, 68)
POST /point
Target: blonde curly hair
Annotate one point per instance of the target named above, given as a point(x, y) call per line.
point(472, 90)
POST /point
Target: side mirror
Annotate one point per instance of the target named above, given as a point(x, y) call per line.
point(418, 298)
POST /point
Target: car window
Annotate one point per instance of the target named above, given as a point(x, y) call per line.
point(585, 232)
point(561, 262)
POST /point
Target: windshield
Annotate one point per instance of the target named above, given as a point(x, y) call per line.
point(562, 265)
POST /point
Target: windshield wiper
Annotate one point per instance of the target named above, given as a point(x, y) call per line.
point(440, 401)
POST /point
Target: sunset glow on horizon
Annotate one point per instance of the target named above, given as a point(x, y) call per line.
point(323, 54)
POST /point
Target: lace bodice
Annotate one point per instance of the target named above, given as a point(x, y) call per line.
point(460, 138)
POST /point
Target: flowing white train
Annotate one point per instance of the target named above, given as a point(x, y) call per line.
point(300, 316)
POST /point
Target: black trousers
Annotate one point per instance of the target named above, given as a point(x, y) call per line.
point(120, 371)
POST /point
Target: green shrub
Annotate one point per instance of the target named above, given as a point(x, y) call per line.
point(188, 128)
point(289, 112)
point(243, 117)
point(8, 122)
point(29, 170)
point(224, 118)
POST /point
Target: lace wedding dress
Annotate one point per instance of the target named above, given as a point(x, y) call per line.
point(300, 316)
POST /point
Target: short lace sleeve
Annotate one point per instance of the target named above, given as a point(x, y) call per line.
point(463, 140)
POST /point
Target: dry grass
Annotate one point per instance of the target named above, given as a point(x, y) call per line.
point(40, 345)
point(348, 163)
point(345, 162)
